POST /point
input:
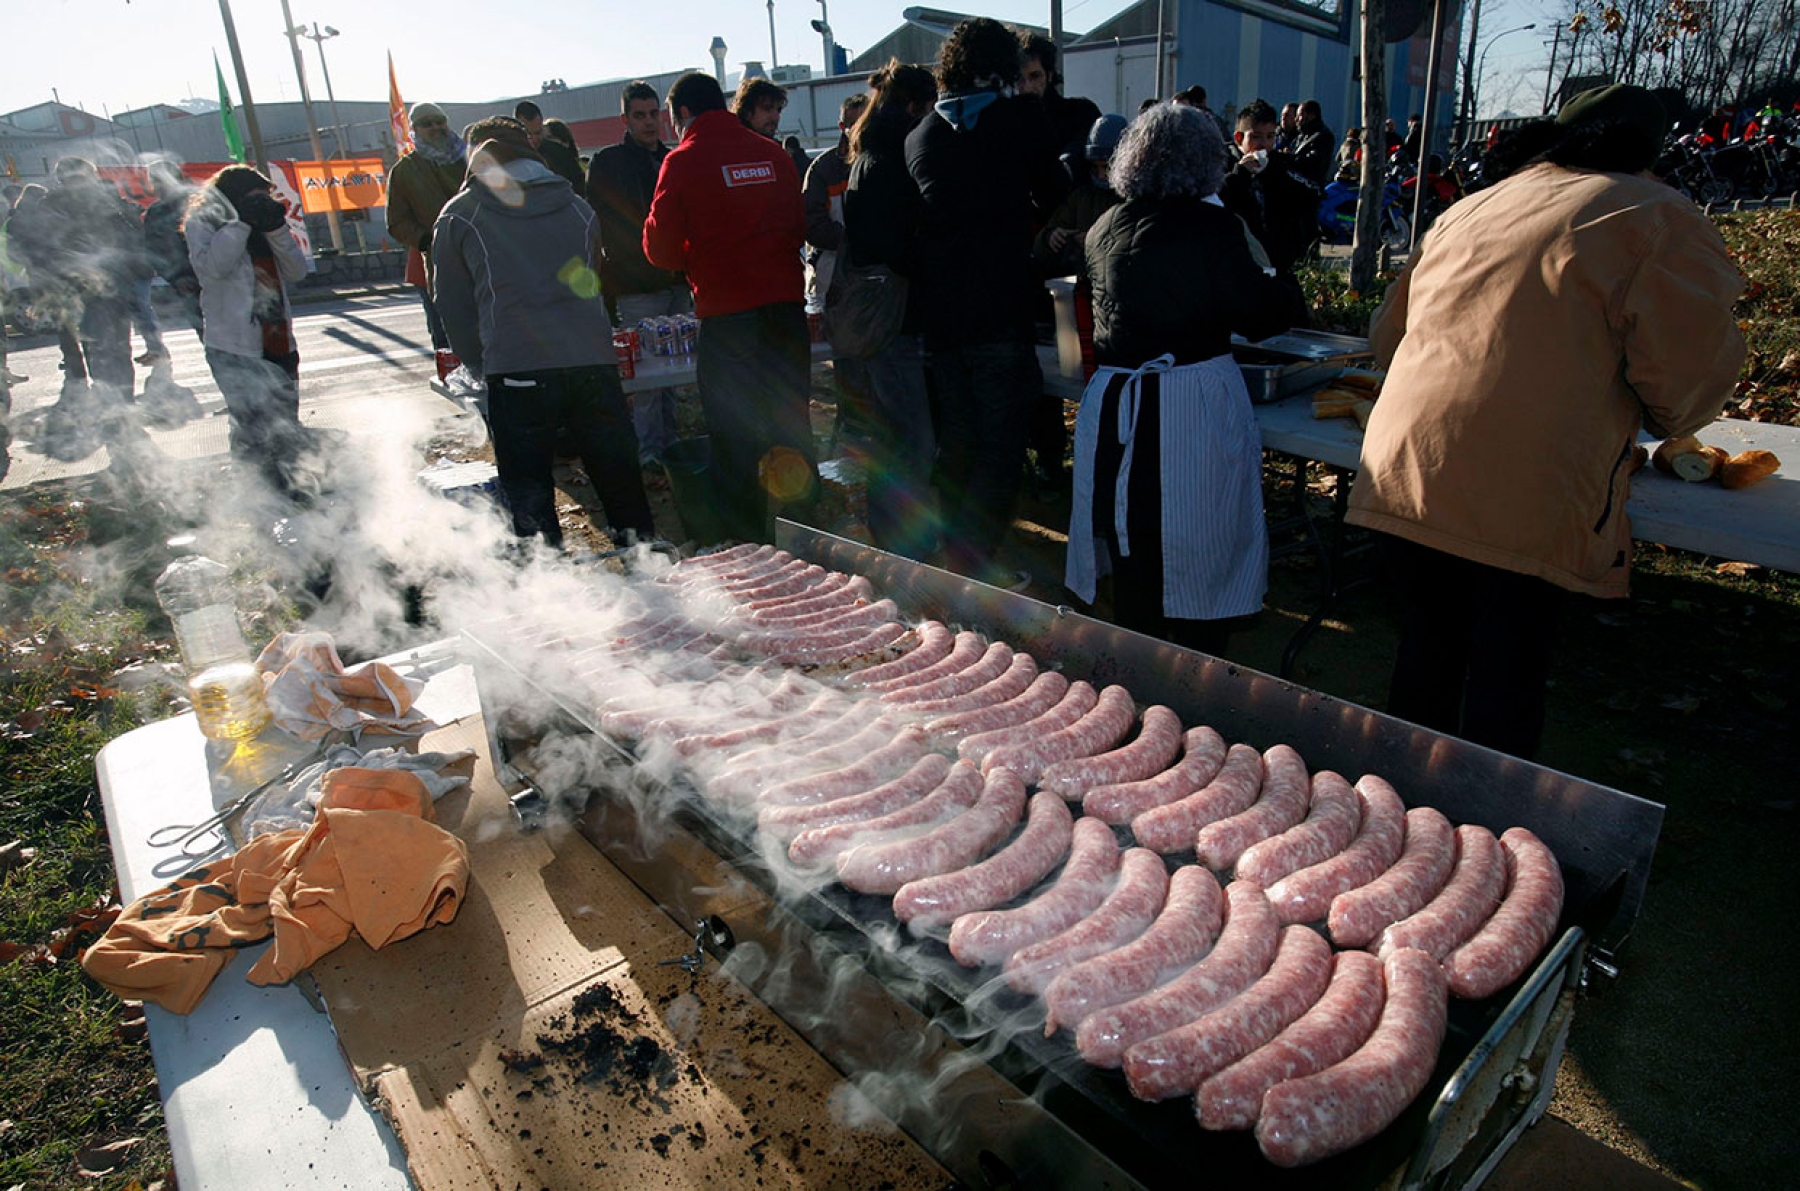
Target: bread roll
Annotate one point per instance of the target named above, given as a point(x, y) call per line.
point(1368, 382)
point(1333, 402)
point(1747, 467)
point(1689, 459)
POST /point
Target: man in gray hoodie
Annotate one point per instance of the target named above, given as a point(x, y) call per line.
point(515, 269)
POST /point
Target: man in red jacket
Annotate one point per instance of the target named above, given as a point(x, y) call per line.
point(728, 213)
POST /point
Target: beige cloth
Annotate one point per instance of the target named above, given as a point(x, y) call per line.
point(1540, 324)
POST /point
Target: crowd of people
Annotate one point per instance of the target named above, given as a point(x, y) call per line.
point(1535, 330)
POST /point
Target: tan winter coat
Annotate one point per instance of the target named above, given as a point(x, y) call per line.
point(418, 188)
point(1541, 323)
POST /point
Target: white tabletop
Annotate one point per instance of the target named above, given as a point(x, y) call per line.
point(667, 372)
point(1759, 524)
point(255, 1090)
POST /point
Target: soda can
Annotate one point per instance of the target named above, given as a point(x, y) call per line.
point(622, 351)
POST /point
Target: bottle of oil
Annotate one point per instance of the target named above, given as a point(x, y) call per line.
point(223, 684)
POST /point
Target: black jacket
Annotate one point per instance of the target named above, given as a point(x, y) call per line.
point(982, 189)
point(1175, 275)
point(83, 235)
point(1280, 207)
point(164, 242)
point(563, 160)
point(882, 205)
point(1315, 153)
point(620, 182)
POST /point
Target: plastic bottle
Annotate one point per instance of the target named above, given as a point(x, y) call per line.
point(223, 684)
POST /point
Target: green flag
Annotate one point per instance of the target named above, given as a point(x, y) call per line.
point(234, 140)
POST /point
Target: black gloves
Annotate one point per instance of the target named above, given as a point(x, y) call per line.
point(262, 212)
point(425, 244)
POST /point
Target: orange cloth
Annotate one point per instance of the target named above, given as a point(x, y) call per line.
point(369, 863)
point(310, 693)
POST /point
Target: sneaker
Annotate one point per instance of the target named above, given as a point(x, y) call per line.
point(13, 378)
point(152, 358)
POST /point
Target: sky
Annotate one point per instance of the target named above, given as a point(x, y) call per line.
point(160, 51)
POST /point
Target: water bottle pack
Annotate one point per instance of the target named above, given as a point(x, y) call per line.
point(669, 334)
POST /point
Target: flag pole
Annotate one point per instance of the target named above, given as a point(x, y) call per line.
point(243, 78)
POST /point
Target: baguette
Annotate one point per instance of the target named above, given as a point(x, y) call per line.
point(1367, 382)
point(1689, 459)
point(1334, 402)
point(1747, 467)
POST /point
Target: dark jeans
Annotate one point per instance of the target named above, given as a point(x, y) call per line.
point(984, 408)
point(754, 371)
point(262, 398)
point(530, 413)
point(105, 339)
point(1475, 646)
point(903, 443)
point(855, 400)
point(434, 326)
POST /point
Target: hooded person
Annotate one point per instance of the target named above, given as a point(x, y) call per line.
point(985, 162)
point(419, 185)
point(245, 256)
point(515, 270)
point(1540, 325)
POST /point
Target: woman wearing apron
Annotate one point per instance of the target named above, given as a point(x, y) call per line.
point(1168, 459)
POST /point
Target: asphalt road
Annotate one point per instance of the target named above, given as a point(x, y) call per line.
point(351, 350)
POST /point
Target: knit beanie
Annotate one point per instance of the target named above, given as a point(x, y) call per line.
point(423, 109)
point(1639, 120)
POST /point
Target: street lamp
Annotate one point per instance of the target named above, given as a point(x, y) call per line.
point(319, 39)
point(822, 27)
point(312, 126)
point(774, 60)
point(1481, 67)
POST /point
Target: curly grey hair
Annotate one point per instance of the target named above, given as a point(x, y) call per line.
point(1169, 150)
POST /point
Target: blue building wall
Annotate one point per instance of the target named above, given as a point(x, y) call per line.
point(1239, 55)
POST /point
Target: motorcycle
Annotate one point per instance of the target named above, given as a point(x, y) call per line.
point(1687, 165)
point(1337, 213)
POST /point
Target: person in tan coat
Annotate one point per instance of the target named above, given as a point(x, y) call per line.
point(1542, 323)
point(419, 185)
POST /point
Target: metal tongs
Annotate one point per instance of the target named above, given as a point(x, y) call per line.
point(186, 835)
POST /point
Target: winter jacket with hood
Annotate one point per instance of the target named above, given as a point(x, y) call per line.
point(986, 167)
point(514, 267)
point(1541, 323)
point(728, 213)
point(218, 247)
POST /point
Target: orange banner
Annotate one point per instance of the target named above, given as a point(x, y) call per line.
point(351, 184)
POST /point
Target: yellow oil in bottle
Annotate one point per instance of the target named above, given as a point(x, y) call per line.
point(229, 702)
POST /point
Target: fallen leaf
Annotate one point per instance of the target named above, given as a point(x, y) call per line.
point(1738, 570)
point(98, 1159)
point(1772, 702)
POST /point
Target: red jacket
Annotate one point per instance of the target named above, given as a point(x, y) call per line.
point(728, 213)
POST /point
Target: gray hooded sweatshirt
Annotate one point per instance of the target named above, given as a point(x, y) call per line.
point(513, 267)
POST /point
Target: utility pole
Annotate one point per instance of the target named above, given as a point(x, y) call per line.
point(1156, 88)
point(773, 60)
point(1550, 74)
point(1056, 29)
point(1466, 117)
point(1367, 244)
point(312, 126)
point(243, 81)
point(337, 124)
point(1428, 129)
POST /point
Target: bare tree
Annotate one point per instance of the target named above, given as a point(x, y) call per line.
point(1713, 51)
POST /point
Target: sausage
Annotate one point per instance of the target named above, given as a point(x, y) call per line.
point(1244, 951)
point(991, 936)
point(1468, 899)
point(1182, 933)
point(965, 652)
point(1327, 1033)
point(1045, 692)
point(728, 739)
point(786, 822)
point(991, 665)
point(695, 573)
point(1282, 804)
point(857, 777)
point(1315, 1116)
point(1330, 824)
point(1500, 951)
point(934, 644)
point(951, 797)
point(885, 867)
point(1203, 752)
point(839, 646)
point(790, 577)
point(829, 593)
point(940, 900)
point(1305, 896)
point(1158, 740)
point(1358, 916)
point(825, 620)
point(750, 773)
point(702, 563)
point(1173, 827)
point(1103, 725)
point(1127, 912)
point(1011, 683)
point(1178, 1061)
point(1078, 699)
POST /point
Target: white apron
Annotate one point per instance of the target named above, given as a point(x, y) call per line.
point(1215, 548)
